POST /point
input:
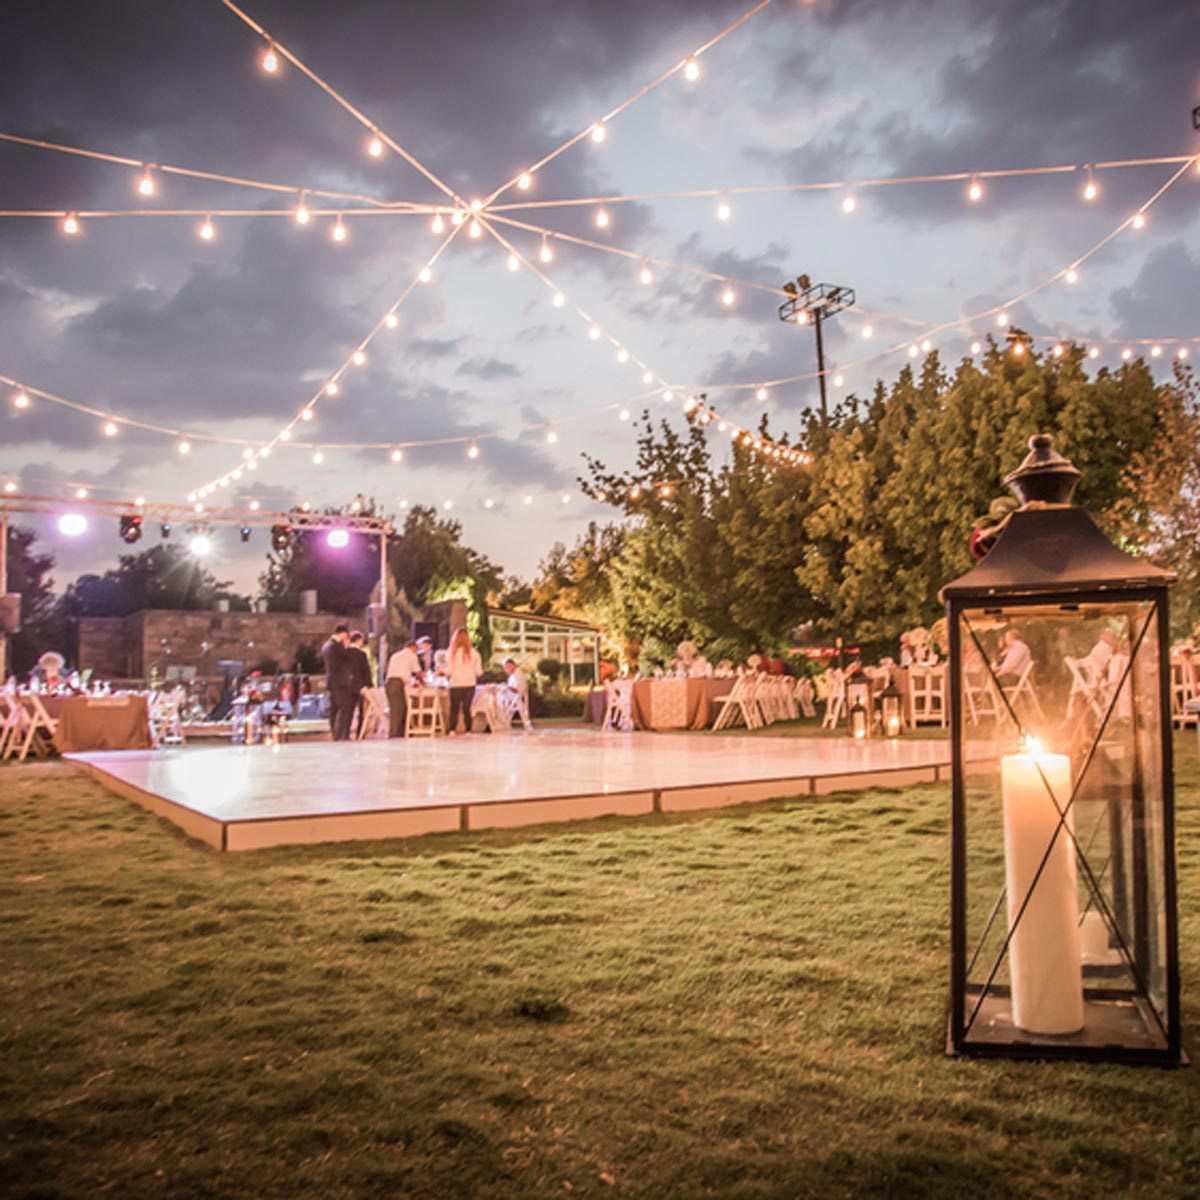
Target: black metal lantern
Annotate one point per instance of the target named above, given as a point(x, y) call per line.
point(860, 721)
point(891, 709)
point(860, 710)
point(1063, 893)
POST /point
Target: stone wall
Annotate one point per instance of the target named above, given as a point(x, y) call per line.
point(104, 646)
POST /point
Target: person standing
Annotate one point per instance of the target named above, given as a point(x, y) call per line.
point(402, 668)
point(464, 667)
point(362, 677)
point(520, 688)
point(340, 674)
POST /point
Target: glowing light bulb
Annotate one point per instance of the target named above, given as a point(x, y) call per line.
point(1072, 276)
point(318, 458)
point(252, 465)
point(20, 400)
point(552, 437)
point(602, 219)
point(457, 217)
point(559, 299)
point(913, 351)
point(1058, 350)
point(727, 297)
point(247, 453)
point(1002, 319)
point(475, 230)
point(10, 487)
point(70, 225)
point(761, 394)
point(513, 262)
point(339, 231)
point(285, 435)
point(599, 133)
point(623, 414)
point(207, 230)
point(528, 500)
point(184, 447)
point(1094, 352)
point(375, 146)
point(254, 506)
point(1090, 190)
point(975, 347)
point(358, 358)
point(595, 333)
point(1181, 353)
point(926, 346)
point(473, 452)
point(270, 61)
point(110, 429)
point(524, 180)
point(646, 277)
point(802, 317)
point(1139, 221)
point(545, 253)
point(622, 355)
point(81, 493)
point(691, 70)
point(391, 320)
point(397, 455)
point(1018, 348)
point(849, 204)
point(868, 331)
point(489, 503)
point(1126, 354)
point(724, 212)
point(426, 274)
point(668, 397)
point(690, 404)
point(237, 474)
point(200, 545)
point(975, 190)
point(306, 415)
point(1155, 351)
point(303, 216)
point(565, 498)
point(438, 225)
point(145, 185)
point(838, 381)
point(647, 376)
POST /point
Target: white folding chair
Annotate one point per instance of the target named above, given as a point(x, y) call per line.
point(374, 721)
point(618, 707)
point(1086, 688)
point(37, 734)
point(424, 717)
point(730, 706)
point(1183, 689)
point(1023, 692)
point(980, 693)
point(11, 723)
point(835, 698)
point(805, 693)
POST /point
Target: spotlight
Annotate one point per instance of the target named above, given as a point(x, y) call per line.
point(281, 537)
point(72, 524)
point(200, 544)
point(244, 533)
point(164, 530)
point(338, 538)
point(131, 528)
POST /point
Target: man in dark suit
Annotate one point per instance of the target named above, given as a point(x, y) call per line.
point(362, 676)
point(340, 675)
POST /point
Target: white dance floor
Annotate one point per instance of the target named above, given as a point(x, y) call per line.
point(249, 797)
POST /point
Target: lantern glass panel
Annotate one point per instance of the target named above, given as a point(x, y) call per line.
point(1062, 832)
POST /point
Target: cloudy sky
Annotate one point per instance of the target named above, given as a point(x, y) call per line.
point(142, 318)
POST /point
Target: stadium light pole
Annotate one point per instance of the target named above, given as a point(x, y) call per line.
point(813, 304)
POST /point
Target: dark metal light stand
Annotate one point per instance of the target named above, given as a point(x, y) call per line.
point(1063, 888)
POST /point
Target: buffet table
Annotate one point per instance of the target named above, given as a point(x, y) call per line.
point(99, 722)
point(667, 703)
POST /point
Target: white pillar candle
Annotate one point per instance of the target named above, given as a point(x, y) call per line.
point(1047, 982)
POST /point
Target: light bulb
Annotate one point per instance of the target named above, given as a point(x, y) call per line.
point(838, 381)
point(270, 61)
point(110, 429)
point(473, 452)
point(426, 274)
point(10, 487)
point(237, 474)
point(391, 320)
point(913, 352)
point(802, 316)
point(285, 435)
point(1139, 220)
point(318, 458)
point(475, 230)
point(599, 133)
point(185, 447)
point(552, 437)
point(559, 299)
point(868, 331)
point(761, 394)
point(975, 347)
point(252, 465)
point(1058, 350)
point(849, 204)
point(145, 185)
point(565, 498)
point(1002, 319)
point(302, 214)
point(1181, 353)
point(524, 180)
point(81, 493)
point(545, 253)
point(1090, 190)
point(668, 397)
point(602, 219)
point(375, 146)
point(207, 231)
point(200, 545)
point(623, 414)
point(20, 400)
point(595, 333)
point(476, 205)
point(339, 231)
point(647, 376)
point(727, 296)
point(331, 388)
point(1126, 354)
point(247, 453)
point(397, 455)
point(513, 262)
point(1094, 352)
point(254, 506)
point(926, 346)
point(622, 355)
point(691, 70)
point(1018, 348)
point(975, 191)
point(528, 500)
point(306, 415)
point(358, 358)
point(489, 503)
point(646, 277)
point(690, 404)
point(457, 217)
point(438, 225)
point(724, 212)
point(71, 225)
point(1072, 276)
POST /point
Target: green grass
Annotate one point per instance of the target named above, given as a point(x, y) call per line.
point(748, 1003)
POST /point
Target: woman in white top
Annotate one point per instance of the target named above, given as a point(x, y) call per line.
point(464, 667)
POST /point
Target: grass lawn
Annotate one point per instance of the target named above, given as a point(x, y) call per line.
point(748, 1003)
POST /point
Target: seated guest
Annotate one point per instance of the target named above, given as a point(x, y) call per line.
point(699, 668)
point(440, 669)
point(907, 653)
point(1100, 655)
point(520, 685)
point(774, 665)
point(1015, 656)
point(403, 670)
point(47, 675)
point(425, 654)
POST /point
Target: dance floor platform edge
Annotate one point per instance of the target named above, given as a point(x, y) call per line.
point(249, 798)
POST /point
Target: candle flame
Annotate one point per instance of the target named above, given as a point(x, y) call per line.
point(1032, 745)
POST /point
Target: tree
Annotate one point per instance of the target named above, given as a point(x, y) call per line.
point(164, 576)
point(29, 575)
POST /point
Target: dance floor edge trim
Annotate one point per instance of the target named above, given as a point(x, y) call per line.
point(263, 832)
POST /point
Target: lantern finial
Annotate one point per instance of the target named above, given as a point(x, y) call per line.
point(1045, 477)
